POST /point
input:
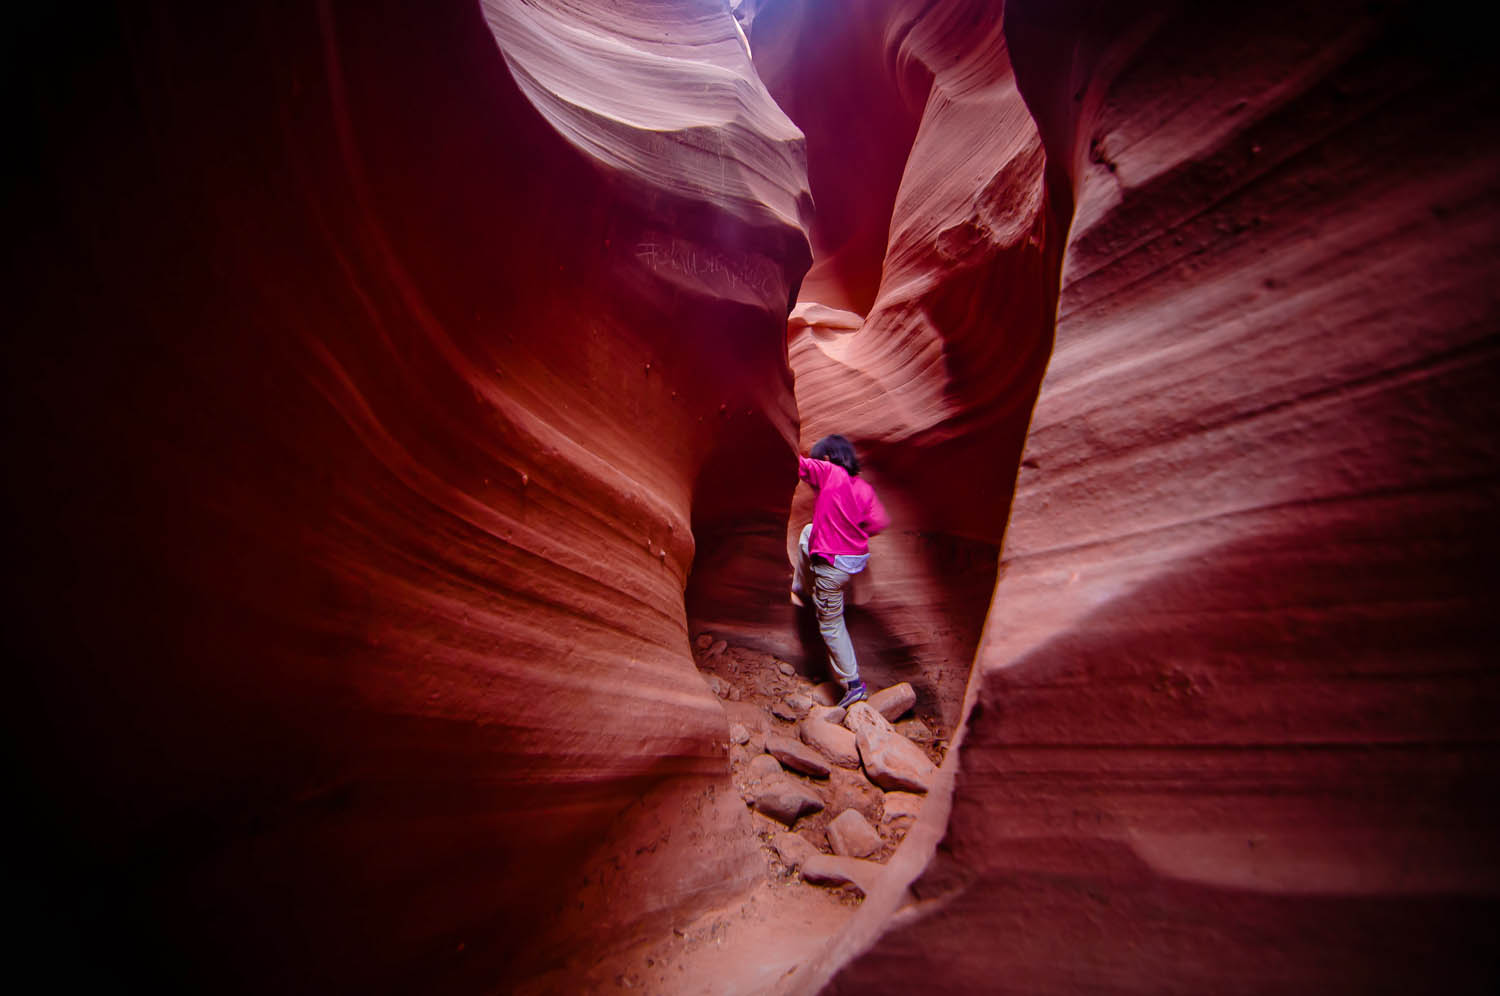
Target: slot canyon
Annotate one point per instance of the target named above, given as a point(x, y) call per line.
point(403, 410)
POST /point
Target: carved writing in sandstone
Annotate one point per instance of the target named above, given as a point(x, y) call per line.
point(664, 253)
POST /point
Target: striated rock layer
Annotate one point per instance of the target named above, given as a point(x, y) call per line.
point(1232, 727)
point(379, 373)
point(932, 369)
point(387, 388)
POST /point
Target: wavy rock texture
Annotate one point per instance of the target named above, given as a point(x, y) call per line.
point(388, 389)
point(1232, 723)
point(933, 375)
point(379, 375)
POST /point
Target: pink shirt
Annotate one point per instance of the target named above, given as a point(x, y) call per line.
point(847, 513)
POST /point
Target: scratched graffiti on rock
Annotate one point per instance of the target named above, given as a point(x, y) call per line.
point(664, 253)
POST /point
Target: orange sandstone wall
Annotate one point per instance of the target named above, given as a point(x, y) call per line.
point(1232, 727)
point(366, 389)
point(387, 388)
point(931, 369)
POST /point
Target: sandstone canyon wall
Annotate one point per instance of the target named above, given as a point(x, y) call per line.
point(1232, 723)
point(926, 345)
point(394, 391)
point(379, 373)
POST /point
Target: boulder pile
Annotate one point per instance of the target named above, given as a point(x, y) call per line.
point(836, 789)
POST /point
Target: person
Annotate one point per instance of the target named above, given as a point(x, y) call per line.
point(834, 547)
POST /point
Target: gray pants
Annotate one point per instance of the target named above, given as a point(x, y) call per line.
point(825, 585)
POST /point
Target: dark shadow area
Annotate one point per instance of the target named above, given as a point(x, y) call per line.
point(875, 647)
point(928, 639)
point(1145, 934)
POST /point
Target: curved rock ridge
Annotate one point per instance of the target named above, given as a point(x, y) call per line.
point(366, 431)
point(662, 94)
point(392, 392)
point(835, 73)
point(934, 379)
point(968, 241)
point(1230, 728)
point(710, 229)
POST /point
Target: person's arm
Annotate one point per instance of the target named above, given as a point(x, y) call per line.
point(876, 519)
point(814, 472)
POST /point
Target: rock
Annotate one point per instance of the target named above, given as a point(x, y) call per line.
point(863, 716)
point(828, 693)
point(792, 849)
point(738, 734)
point(762, 766)
point(851, 835)
point(717, 685)
point(796, 755)
point(718, 647)
point(853, 790)
point(828, 714)
point(916, 731)
point(833, 869)
point(786, 799)
point(734, 693)
point(704, 641)
point(786, 668)
point(833, 742)
point(791, 708)
point(894, 701)
point(901, 806)
point(892, 761)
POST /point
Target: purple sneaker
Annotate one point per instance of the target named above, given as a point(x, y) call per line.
point(856, 693)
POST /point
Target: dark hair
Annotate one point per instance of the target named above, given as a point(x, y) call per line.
point(837, 449)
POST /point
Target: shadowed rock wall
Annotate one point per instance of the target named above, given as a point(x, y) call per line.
point(1232, 723)
point(387, 387)
point(934, 374)
point(368, 367)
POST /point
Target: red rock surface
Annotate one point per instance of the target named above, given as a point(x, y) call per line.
point(934, 372)
point(393, 393)
point(378, 377)
point(1233, 723)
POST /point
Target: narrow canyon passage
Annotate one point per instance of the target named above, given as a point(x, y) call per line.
point(397, 394)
